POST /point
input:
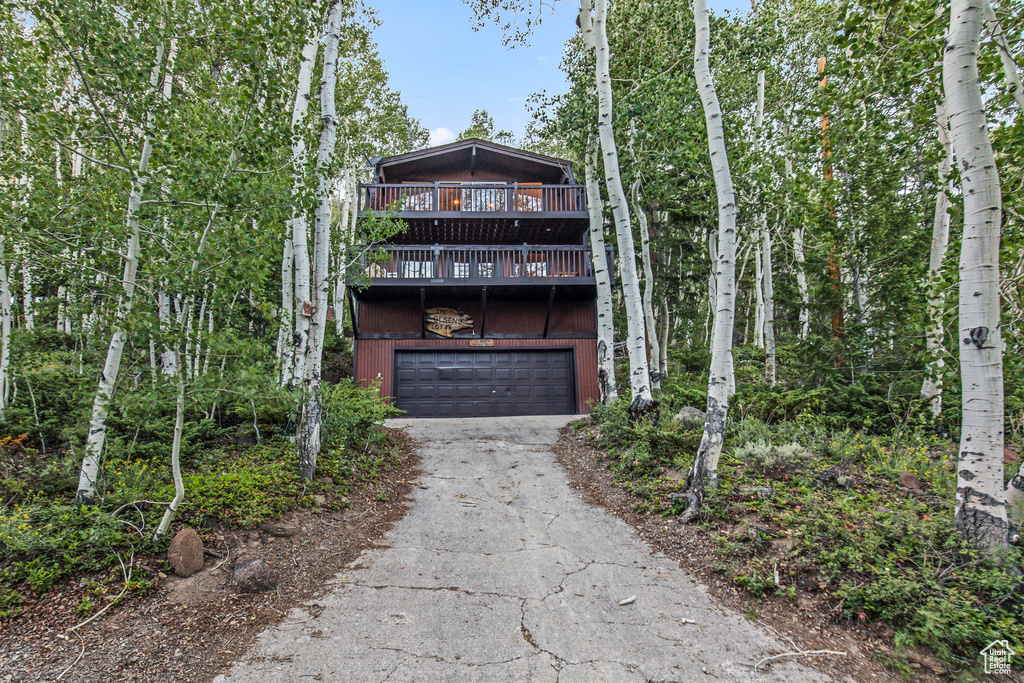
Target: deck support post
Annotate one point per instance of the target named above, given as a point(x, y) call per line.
point(483, 310)
point(547, 316)
point(423, 312)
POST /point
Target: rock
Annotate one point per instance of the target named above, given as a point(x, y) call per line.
point(319, 500)
point(282, 531)
point(690, 418)
point(186, 553)
point(253, 576)
point(910, 481)
point(1010, 457)
point(326, 481)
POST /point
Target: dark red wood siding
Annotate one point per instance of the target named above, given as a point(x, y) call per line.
point(503, 316)
point(375, 361)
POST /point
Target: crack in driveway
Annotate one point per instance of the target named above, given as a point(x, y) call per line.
point(530, 592)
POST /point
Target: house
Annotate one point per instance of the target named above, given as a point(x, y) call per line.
point(485, 305)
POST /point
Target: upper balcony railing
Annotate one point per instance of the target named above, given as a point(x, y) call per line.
point(477, 265)
point(522, 200)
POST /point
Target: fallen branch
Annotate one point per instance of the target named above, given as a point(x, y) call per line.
point(127, 573)
point(797, 653)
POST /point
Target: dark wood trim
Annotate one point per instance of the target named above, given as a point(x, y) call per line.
point(499, 335)
point(352, 313)
point(525, 215)
point(472, 161)
point(547, 316)
point(473, 142)
point(483, 311)
point(389, 335)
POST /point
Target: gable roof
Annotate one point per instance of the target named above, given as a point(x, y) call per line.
point(474, 153)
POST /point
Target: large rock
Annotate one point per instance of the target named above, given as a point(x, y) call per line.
point(253, 576)
point(910, 481)
point(690, 418)
point(186, 553)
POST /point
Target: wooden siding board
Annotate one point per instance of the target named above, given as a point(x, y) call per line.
point(375, 361)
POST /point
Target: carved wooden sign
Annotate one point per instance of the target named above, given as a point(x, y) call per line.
point(444, 321)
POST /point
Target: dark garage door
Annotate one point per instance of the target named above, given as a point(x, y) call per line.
point(460, 383)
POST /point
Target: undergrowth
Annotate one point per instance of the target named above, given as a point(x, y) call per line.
point(814, 504)
point(45, 538)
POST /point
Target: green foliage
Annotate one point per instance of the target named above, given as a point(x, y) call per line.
point(353, 415)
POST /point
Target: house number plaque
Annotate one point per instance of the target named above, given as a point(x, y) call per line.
point(445, 321)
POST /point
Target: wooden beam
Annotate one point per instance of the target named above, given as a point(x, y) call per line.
point(352, 314)
point(483, 310)
point(547, 317)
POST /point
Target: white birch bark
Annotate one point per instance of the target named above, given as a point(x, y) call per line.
point(766, 283)
point(27, 300)
point(285, 347)
point(168, 356)
point(709, 323)
point(931, 388)
point(312, 410)
point(299, 229)
point(5, 329)
point(801, 280)
point(605, 324)
point(179, 484)
point(636, 342)
point(663, 356)
point(995, 29)
point(653, 349)
point(758, 295)
point(111, 367)
point(980, 499)
point(704, 471)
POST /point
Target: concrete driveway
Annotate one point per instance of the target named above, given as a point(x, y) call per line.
point(500, 572)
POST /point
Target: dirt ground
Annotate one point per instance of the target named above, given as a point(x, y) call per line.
point(192, 629)
point(808, 622)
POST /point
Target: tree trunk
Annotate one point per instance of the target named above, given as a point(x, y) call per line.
point(980, 499)
point(299, 232)
point(758, 297)
point(111, 367)
point(995, 29)
point(653, 349)
point(285, 345)
point(5, 329)
point(704, 471)
point(27, 298)
point(179, 485)
point(636, 339)
point(765, 281)
point(931, 388)
point(663, 342)
point(312, 408)
point(605, 323)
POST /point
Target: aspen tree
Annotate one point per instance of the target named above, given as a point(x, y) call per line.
point(653, 348)
point(605, 324)
point(636, 339)
point(981, 514)
point(704, 471)
point(5, 329)
point(931, 388)
point(101, 402)
point(299, 299)
point(312, 409)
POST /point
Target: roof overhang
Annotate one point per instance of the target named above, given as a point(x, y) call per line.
point(470, 155)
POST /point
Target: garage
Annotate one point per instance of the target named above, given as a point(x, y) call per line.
point(484, 383)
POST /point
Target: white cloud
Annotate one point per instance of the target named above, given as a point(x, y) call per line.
point(440, 136)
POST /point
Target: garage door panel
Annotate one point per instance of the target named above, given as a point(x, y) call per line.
point(448, 383)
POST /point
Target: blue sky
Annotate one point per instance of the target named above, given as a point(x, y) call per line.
point(445, 70)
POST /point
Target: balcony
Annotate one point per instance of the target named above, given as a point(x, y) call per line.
point(396, 270)
point(478, 213)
